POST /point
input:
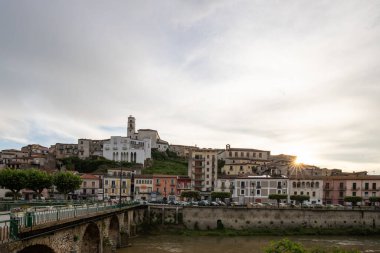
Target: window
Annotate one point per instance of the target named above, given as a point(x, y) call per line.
point(258, 192)
point(231, 168)
point(106, 182)
point(278, 191)
point(353, 186)
point(313, 194)
point(241, 192)
point(327, 185)
point(340, 185)
point(242, 154)
point(353, 193)
point(295, 193)
point(373, 186)
point(236, 154)
point(366, 186)
point(341, 194)
point(365, 194)
point(93, 184)
point(93, 191)
point(242, 184)
point(301, 193)
point(294, 185)
point(84, 184)
point(241, 168)
point(373, 194)
point(260, 155)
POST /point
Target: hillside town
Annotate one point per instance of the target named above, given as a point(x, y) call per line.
point(249, 175)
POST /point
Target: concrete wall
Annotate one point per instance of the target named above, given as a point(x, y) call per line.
point(248, 218)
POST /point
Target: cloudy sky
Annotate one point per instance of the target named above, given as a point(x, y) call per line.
point(294, 77)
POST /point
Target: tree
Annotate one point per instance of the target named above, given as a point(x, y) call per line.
point(353, 199)
point(374, 200)
point(300, 198)
point(278, 197)
point(190, 194)
point(38, 181)
point(66, 182)
point(13, 180)
point(220, 195)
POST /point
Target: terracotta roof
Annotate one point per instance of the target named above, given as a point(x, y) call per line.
point(88, 176)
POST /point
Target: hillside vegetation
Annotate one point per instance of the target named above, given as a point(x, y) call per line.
point(166, 163)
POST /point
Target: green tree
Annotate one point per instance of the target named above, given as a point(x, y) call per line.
point(300, 198)
point(38, 180)
point(353, 199)
point(13, 180)
point(66, 182)
point(278, 197)
point(374, 200)
point(220, 195)
point(190, 194)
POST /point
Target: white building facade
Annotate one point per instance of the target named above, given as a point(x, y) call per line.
point(124, 149)
point(312, 187)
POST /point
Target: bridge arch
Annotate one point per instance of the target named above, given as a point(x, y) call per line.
point(91, 239)
point(37, 248)
point(114, 230)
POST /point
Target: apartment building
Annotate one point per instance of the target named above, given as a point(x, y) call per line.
point(143, 185)
point(337, 187)
point(202, 169)
point(165, 187)
point(309, 186)
point(183, 184)
point(255, 189)
point(91, 187)
point(242, 161)
point(116, 183)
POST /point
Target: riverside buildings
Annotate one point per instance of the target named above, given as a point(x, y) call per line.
point(202, 169)
point(241, 161)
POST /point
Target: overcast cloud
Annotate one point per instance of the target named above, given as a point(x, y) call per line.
point(296, 77)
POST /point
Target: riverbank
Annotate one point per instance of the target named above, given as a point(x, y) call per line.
point(182, 230)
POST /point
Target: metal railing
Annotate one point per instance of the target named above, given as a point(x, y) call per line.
point(14, 222)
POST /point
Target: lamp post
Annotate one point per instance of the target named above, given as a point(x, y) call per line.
point(121, 173)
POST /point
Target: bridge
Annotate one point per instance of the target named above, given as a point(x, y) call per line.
point(95, 228)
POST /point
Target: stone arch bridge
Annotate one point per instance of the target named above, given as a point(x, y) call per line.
point(99, 232)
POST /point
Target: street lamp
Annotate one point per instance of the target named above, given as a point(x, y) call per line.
point(121, 172)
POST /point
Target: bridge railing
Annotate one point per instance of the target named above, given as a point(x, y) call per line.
point(10, 227)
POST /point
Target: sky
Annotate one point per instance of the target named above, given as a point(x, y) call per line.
point(293, 77)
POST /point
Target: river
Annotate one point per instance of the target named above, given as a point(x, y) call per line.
point(251, 244)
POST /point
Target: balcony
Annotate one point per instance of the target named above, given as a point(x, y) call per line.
point(198, 172)
point(355, 189)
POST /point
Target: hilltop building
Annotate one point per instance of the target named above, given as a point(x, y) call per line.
point(141, 134)
point(243, 161)
point(124, 149)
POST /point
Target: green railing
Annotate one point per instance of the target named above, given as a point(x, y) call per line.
point(15, 221)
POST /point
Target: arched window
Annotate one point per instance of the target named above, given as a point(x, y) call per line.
point(308, 184)
point(312, 184)
point(294, 185)
point(317, 184)
point(303, 184)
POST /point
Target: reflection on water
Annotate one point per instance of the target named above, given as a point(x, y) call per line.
point(251, 244)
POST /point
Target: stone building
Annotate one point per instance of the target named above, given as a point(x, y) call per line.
point(62, 150)
point(181, 150)
point(141, 134)
point(88, 148)
point(242, 161)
